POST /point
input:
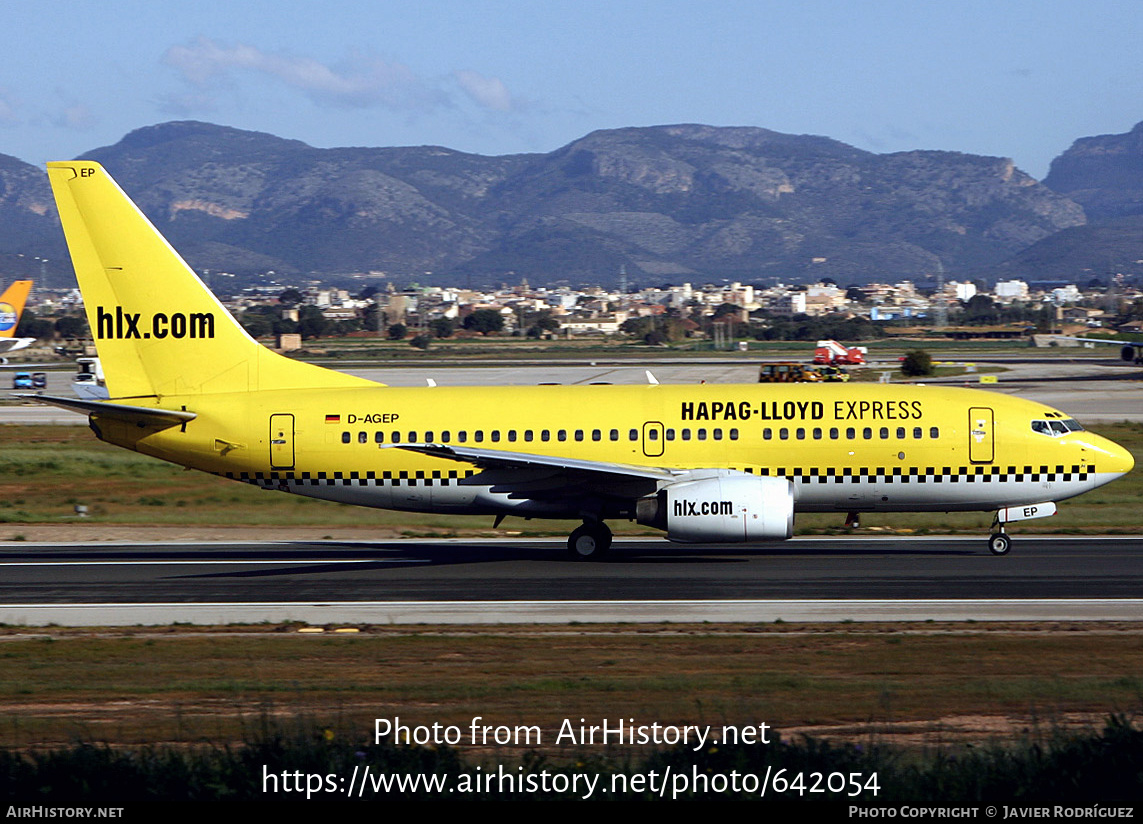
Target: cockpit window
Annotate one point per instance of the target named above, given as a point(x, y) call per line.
point(1055, 428)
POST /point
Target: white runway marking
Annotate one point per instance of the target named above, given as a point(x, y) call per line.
point(561, 612)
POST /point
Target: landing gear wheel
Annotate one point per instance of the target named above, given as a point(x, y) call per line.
point(589, 542)
point(999, 543)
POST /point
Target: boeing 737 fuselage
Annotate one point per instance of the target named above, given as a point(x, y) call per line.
point(707, 463)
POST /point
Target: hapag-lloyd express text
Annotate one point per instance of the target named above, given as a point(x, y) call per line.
point(856, 410)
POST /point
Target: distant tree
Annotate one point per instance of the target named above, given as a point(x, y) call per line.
point(256, 324)
point(422, 341)
point(917, 363)
point(484, 321)
point(311, 322)
point(980, 310)
point(443, 327)
point(290, 297)
point(31, 326)
point(71, 327)
point(855, 294)
point(397, 331)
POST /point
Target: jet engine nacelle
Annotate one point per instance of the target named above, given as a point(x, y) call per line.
point(730, 508)
point(1129, 353)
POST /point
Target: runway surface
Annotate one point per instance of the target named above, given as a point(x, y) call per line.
point(513, 581)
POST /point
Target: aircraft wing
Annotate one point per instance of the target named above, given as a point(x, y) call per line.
point(496, 459)
point(144, 415)
point(527, 475)
point(12, 344)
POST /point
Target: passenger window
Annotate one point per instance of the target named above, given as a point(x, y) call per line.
point(834, 433)
point(428, 437)
point(817, 433)
point(345, 437)
point(579, 434)
point(652, 434)
point(784, 433)
point(801, 434)
point(511, 436)
point(446, 436)
point(733, 434)
point(478, 436)
point(918, 433)
point(900, 433)
point(495, 435)
point(850, 433)
point(867, 433)
point(884, 433)
point(702, 434)
point(669, 435)
point(562, 435)
point(527, 436)
point(614, 434)
point(717, 434)
point(412, 437)
point(687, 434)
point(545, 435)
point(934, 433)
point(767, 434)
point(396, 437)
point(596, 435)
point(461, 436)
point(379, 437)
point(363, 437)
point(633, 435)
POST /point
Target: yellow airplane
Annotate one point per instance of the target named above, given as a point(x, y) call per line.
point(707, 463)
point(11, 307)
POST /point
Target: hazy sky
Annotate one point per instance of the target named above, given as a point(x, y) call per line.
point(1020, 79)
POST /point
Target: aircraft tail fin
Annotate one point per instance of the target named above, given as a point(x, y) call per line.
point(158, 329)
point(12, 306)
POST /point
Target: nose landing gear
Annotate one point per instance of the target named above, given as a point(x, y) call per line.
point(999, 543)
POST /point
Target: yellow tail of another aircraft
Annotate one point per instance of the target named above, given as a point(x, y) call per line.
point(12, 306)
point(158, 329)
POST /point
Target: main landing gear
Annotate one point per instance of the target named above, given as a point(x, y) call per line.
point(590, 541)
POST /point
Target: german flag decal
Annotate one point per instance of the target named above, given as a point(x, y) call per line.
point(333, 418)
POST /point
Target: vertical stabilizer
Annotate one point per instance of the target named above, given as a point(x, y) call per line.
point(159, 331)
point(12, 306)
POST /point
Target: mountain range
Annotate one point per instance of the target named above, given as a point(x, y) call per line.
point(663, 204)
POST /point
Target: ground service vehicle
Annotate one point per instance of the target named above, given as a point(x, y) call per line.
point(787, 373)
point(831, 352)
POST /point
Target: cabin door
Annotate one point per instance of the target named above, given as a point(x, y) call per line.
point(981, 444)
point(281, 441)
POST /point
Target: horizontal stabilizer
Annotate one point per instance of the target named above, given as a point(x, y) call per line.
point(142, 415)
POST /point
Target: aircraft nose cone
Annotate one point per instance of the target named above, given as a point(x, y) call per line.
point(1114, 458)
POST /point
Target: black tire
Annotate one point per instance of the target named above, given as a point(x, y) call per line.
point(999, 543)
point(589, 542)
